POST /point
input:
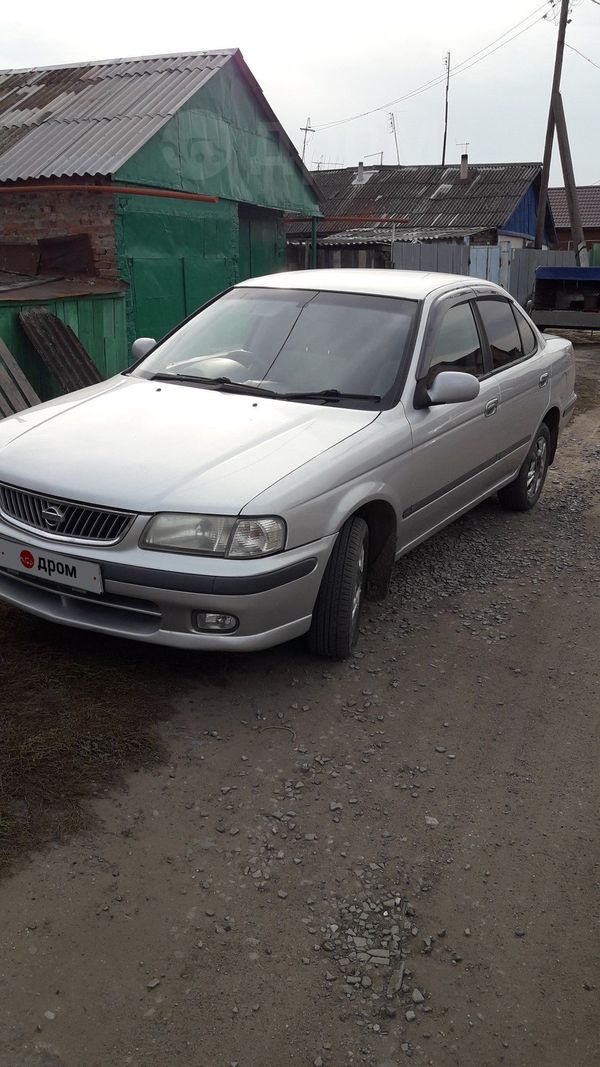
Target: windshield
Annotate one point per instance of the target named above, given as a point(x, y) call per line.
point(332, 346)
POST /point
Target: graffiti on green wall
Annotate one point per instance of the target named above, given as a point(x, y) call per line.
point(221, 143)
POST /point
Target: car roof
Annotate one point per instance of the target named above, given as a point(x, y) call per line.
point(410, 284)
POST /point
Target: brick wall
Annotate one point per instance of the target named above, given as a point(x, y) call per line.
point(31, 216)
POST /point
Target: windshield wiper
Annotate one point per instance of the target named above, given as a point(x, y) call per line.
point(222, 385)
point(226, 385)
point(328, 394)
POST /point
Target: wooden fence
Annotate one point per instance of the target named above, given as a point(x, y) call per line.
point(514, 269)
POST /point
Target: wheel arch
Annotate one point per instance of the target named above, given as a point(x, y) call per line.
point(382, 522)
point(552, 421)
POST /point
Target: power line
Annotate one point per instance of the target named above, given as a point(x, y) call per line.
point(460, 68)
point(587, 58)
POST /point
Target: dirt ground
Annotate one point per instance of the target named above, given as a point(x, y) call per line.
point(334, 864)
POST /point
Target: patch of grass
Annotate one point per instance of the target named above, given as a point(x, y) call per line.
point(77, 711)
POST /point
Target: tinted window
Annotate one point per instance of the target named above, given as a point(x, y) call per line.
point(501, 328)
point(292, 341)
point(528, 338)
point(457, 346)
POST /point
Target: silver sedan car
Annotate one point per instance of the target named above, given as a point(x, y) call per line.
point(257, 472)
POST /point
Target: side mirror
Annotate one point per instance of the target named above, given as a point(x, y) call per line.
point(141, 346)
point(453, 387)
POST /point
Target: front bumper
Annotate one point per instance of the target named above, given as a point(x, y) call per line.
point(153, 596)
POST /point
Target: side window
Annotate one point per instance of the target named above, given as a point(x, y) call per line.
point(501, 329)
point(457, 346)
point(528, 338)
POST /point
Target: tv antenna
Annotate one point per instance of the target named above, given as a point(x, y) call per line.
point(306, 130)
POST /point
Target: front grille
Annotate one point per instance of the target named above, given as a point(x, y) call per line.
point(63, 519)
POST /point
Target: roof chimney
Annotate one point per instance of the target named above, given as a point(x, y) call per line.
point(464, 167)
point(360, 176)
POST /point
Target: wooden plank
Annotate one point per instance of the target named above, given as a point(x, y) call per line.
point(5, 408)
point(17, 375)
point(70, 315)
point(15, 399)
point(97, 351)
point(111, 356)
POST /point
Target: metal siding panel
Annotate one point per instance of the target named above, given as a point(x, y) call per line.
point(220, 143)
point(523, 265)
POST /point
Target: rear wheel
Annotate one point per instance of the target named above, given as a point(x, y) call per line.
point(336, 617)
point(525, 491)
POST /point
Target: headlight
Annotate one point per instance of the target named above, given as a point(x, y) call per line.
point(215, 535)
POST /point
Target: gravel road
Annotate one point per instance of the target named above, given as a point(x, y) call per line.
point(353, 864)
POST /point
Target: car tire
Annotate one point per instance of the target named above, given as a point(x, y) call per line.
point(336, 616)
point(524, 493)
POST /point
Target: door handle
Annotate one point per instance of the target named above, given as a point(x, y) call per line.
point(543, 379)
point(491, 407)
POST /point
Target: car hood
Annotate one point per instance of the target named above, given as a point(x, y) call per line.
point(149, 446)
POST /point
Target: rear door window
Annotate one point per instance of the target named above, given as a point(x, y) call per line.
point(528, 338)
point(502, 333)
point(457, 346)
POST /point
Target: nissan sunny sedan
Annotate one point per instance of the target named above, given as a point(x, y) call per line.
point(257, 473)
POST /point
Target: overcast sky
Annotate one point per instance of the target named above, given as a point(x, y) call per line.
point(331, 62)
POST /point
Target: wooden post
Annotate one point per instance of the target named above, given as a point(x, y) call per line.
point(581, 252)
point(313, 241)
point(558, 62)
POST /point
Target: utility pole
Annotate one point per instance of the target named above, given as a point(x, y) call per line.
point(581, 252)
point(392, 119)
point(447, 62)
point(306, 130)
point(556, 121)
point(558, 62)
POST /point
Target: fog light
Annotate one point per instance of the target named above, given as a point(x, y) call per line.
point(210, 622)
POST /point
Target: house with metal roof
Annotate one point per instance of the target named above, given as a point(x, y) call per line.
point(133, 190)
point(366, 209)
point(588, 197)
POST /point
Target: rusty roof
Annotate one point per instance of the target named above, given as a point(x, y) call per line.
point(90, 118)
point(430, 197)
point(589, 206)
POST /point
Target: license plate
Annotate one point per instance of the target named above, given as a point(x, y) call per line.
point(76, 573)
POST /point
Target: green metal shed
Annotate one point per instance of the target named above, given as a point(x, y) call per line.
point(117, 152)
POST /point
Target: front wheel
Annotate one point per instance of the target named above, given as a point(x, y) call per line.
point(336, 616)
point(525, 491)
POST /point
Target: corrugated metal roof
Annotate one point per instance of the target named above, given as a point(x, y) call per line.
point(385, 235)
point(428, 196)
point(589, 206)
point(91, 118)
